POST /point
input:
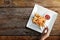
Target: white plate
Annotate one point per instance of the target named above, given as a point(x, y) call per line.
point(42, 11)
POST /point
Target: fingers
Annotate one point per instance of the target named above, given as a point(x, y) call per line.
point(45, 35)
point(45, 30)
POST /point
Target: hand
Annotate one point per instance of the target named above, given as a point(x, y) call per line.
point(45, 35)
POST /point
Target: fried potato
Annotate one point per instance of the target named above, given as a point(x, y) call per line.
point(39, 20)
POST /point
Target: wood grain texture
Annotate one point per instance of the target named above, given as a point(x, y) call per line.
point(14, 15)
point(27, 38)
point(13, 21)
point(1, 3)
point(29, 3)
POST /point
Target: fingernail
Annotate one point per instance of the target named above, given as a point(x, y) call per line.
point(45, 31)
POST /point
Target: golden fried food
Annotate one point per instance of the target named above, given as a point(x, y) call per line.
point(39, 20)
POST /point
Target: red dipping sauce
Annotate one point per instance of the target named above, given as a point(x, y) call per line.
point(47, 17)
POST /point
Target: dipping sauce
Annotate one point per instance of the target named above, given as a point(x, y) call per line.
point(47, 17)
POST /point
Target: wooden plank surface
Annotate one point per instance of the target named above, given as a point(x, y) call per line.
point(29, 3)
point(27, 38)
point(1, 3)
point(13, 21)
point(16, 18)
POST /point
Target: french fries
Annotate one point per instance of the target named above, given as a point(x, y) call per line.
point(39, 20)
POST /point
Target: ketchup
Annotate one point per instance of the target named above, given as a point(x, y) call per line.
point(47, 17)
